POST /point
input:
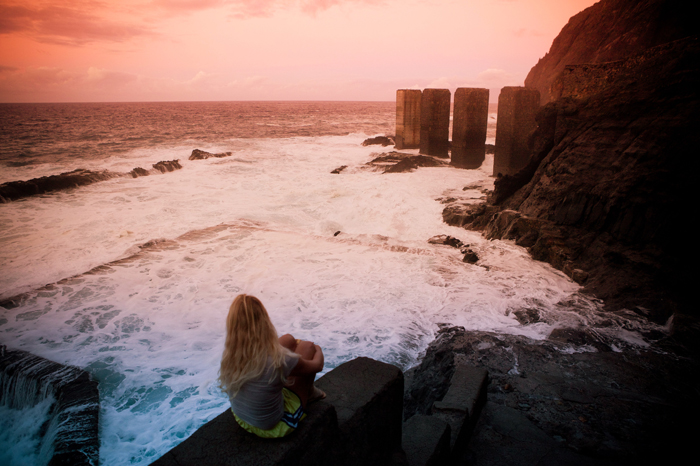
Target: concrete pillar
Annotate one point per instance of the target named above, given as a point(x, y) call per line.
point(517, 107)
point(407, 119)
point(435, 122)
point(470, 116)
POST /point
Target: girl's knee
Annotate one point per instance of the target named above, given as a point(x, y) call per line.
point(306, 349)
point(288, 342)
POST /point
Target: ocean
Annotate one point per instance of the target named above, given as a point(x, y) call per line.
point(131, 278)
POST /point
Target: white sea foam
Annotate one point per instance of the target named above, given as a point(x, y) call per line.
point(262, 221)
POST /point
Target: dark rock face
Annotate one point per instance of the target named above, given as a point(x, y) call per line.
point(202, 155)
point(608, 183)
point(379, 140)
point(549, 399)
point(612, 30)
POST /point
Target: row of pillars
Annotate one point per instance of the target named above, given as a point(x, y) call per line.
point(423, 122)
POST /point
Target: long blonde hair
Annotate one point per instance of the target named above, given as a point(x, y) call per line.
point(250, 340)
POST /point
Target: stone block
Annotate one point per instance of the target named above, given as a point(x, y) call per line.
point(368, 398)
point(407, 119)
point(461, 405)
point(222, 442)
point(426, 441)
point(470, 117)
point(435, 122)
point(517, 107)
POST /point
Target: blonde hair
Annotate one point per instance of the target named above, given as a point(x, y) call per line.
point(250, 340)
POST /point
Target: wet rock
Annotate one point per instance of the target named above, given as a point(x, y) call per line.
point(14, 190)
point(470, 256)
point(447, 240)
point(167, 165)
point(339, 169)
point(138, 171)
point(202, 155)
point(380, 140)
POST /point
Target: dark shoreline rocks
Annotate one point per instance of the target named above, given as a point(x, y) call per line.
point(559, 401)
point(14, 190)
point(203, 155)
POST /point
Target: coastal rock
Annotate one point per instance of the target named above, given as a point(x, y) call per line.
point(397, 162)
point(381, 140)
point(339, 169)
point(562, 399)
point(167, 165)
point(202, 155)
point(14, 190)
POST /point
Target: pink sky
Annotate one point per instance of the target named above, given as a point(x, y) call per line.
point(167, 50)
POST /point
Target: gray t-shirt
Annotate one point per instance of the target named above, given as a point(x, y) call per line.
point(260, 402)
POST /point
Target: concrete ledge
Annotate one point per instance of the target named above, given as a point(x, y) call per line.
point(426, 441)
point(359, 423)
point(222, 442)
point(368, 397)
point(461, 405)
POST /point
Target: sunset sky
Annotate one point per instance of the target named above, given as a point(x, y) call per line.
point(190, 50)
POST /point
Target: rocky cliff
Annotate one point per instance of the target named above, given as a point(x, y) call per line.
point(609, 188)
point(612, 30)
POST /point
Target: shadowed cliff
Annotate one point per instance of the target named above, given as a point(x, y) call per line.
point(612, 30)
point(608, 192)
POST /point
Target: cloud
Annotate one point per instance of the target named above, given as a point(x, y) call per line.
point(70, 23)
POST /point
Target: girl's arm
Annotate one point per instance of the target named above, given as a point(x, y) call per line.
point(310, 361)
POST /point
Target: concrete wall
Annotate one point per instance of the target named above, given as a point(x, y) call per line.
point(470, 117)
point(435, 122)
point(517, 107)
point(407, 119)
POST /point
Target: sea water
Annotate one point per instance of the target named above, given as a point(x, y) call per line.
point(141, 271)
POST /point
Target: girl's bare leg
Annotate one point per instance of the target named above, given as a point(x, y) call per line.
point(303, 385)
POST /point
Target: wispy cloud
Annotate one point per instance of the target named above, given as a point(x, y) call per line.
point(68, 23)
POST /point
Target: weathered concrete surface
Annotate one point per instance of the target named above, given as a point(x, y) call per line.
point(222, 442)
point(469, 121)
point(461, 405)
point(408, 114)
point(517, 107)
point(569, 399)
point(359, 423)
point(26, 379)
point(435, 122)
point(368, 398)
point(426, 441)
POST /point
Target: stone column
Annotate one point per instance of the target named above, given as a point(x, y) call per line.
point(407, 119)
point(435, 122)
point(470, 116)
point(517, 107)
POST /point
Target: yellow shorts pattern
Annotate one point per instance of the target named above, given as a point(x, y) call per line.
point(293, 413)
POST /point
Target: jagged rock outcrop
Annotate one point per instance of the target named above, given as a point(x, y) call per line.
point(558, 401)
point(612, 30)
point(610, 182)
point(379, 140)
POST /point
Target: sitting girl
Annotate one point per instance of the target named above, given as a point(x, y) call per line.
point(269, 381)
